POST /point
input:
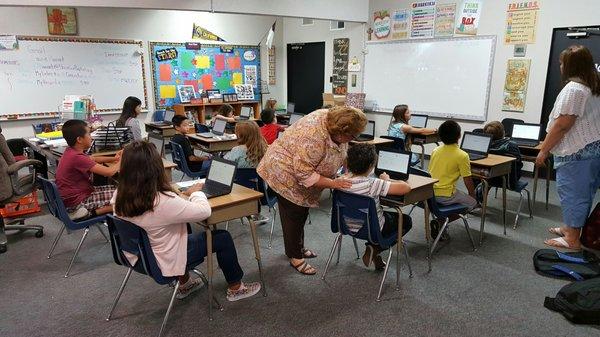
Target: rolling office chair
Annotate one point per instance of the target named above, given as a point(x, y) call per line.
point(13, 188)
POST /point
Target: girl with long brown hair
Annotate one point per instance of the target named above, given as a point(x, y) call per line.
point(145, 198)
point(252, 146)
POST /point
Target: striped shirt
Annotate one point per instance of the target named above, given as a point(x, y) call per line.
point(372, 187)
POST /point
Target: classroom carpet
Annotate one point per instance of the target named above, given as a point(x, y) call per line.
point(491, 292)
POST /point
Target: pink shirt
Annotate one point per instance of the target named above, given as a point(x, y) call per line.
point(73, 177)
point(166, 228)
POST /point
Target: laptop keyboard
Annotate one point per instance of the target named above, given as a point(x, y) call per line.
point(206, 134)
point(210, 191)
point(532, 143)
point(476, 156)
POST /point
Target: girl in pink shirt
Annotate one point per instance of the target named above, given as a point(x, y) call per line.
point(145, 198)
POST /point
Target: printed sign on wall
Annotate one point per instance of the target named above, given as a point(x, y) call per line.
point(521, 22)
point(422, 24)
point(341, 47)
point(444, 19)
point(381, 24)
point(468, 18)
point(400, 24)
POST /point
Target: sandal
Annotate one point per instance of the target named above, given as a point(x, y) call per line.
point(367, 257)
point(308, 254)
point(303, 268)
point(556, 231)
point(560, 243)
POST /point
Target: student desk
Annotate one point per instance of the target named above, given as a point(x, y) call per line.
point(485, 169)
point(212, 145)
point(375, 141)
point(240, 203)
point(421, 190)
point(529, 154)
point(159, 134)
point(421, 140)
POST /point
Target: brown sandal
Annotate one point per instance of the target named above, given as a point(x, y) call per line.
point(308, 254)
point(302, 268)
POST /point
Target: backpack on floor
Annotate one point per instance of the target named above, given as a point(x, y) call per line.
point(590, 235)
point(578, 266)
point(579, 302)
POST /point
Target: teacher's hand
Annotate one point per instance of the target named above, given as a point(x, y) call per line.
point(340, 184)
point(540, 160)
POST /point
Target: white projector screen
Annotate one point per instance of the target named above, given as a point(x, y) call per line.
point(447, 78)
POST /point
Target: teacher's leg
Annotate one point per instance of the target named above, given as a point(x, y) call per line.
point(293, 217)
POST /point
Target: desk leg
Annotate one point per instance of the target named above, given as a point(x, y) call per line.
point(548, 168)
point(398, 247)
point(536, 173)
point(209, 266)
point(422, 156)
point(427, 232)
point(486, 189)
point(257, 254)
point(504, 203)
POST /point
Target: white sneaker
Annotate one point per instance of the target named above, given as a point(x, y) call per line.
point(260, 219)
point(79, 213)
point(244, 291)
point(188, 288)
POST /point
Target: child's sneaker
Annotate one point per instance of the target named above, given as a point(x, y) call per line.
point(244, 291)
point(188, 288)
point(78, 213)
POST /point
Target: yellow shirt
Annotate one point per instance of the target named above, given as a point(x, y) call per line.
point(447, 164)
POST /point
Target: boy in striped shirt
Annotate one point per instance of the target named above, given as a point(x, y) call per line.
point(361, 161)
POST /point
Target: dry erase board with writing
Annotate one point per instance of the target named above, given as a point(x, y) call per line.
point(203, 66)
point(35, 78)
point(447, 78)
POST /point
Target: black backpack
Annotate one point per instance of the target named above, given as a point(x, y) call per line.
point(579, 302)
point(578, 266)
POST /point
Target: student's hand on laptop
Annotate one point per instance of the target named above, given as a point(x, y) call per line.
point(194, 188)
point(384, 176)
point(340, 183)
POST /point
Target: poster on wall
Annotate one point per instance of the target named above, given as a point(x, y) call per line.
point(422, 23)
point(515, 85)
point(381, 24)
point(8, 42)
point(272, 78)
point(341, 48)
point(521, 22)
point(444, 20)
point(249, 75)
point(400, 24)
point(468, 20)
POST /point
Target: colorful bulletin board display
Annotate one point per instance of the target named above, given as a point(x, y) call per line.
point(203, 66)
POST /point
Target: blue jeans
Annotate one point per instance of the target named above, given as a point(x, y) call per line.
point(577, 182)
point(225, 249)
point(199, 166)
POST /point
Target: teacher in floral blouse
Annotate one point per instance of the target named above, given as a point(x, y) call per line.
point(301, 164)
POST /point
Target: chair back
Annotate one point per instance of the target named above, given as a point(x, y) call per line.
point(200, 128)
point(57, 208)
point(178, 157)
point(433, 205)
point(127, 237)
point(478, 130)
point(248, 177)
point(359, 211)
point(398, 144)
point(508, 125)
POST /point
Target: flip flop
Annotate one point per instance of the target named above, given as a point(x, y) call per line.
point(302, 267)
point(556, 231)
point(308, 254)
point(560, 243)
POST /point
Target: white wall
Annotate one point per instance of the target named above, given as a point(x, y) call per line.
point(145, 25)
point(553, 13)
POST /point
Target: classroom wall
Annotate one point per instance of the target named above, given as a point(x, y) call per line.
point(553, 13)
point(145, 25)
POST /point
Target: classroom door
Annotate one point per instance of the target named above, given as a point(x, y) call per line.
point(560, 42)
point(305, 75)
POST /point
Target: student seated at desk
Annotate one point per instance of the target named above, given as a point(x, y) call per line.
point(74, 173)
point(132, 107)
point(504, 146)
point(399, 126)
point(271, 129)
point(361, 161)
point(225, 112)
point(183, 126)
point(448, 163)
point(145, 198)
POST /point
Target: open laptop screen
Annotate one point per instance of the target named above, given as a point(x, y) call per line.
point(221, 172)
point(246, 111)
point(369, 129)
point(418, 121)
point(476, 143)
point(393, 162)
point(295, 117)
point(526, 131)
point(169, 116)
point(219, 127)
point(290, 107)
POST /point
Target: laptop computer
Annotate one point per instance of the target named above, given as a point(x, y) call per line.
point(290, 107)
point(526, 134)
point(294, 118)
point(167, 118)
point(393, 162)
point(220, 177)
point(418, 121)
point(246, 112)
point(369, 133)
point(476, 145)
point(217, 130)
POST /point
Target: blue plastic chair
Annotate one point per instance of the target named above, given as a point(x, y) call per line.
point(58, 210)
point(200, 128)
point(248, 177)
point(127, 237)
point(444, 212)
point(179, 159)
point(361, 210)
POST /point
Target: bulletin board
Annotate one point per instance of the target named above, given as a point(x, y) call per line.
point(203, 66)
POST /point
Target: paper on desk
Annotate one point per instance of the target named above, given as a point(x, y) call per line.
point(185, 184)
point(56, 142)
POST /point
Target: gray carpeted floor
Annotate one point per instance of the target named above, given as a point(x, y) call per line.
point(491, 292)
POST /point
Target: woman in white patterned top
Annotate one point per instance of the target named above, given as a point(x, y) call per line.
point(361, 162)
point(574, 140)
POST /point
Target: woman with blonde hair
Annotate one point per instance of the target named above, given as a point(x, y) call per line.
point(304, 162)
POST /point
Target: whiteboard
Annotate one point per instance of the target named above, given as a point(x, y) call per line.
point(447, 78)
point(35, 78)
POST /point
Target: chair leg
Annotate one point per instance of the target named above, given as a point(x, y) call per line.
point(62, 229)
point(529, 204)
point(85, 233)
point(410, 273)
point(412, 209)
point(356, 248)
point(339, 250)
point(464, 219)
point(164, 323)
point(387, 266)
point(518, 210)
point(437, 238)
point(335, 243)
point(496, 193)
point(119, 293)
point(227, 225)
point(102, 232)
point(272, 228)
point(205, 281)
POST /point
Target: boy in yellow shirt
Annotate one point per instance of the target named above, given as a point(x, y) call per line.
point(448, 163)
